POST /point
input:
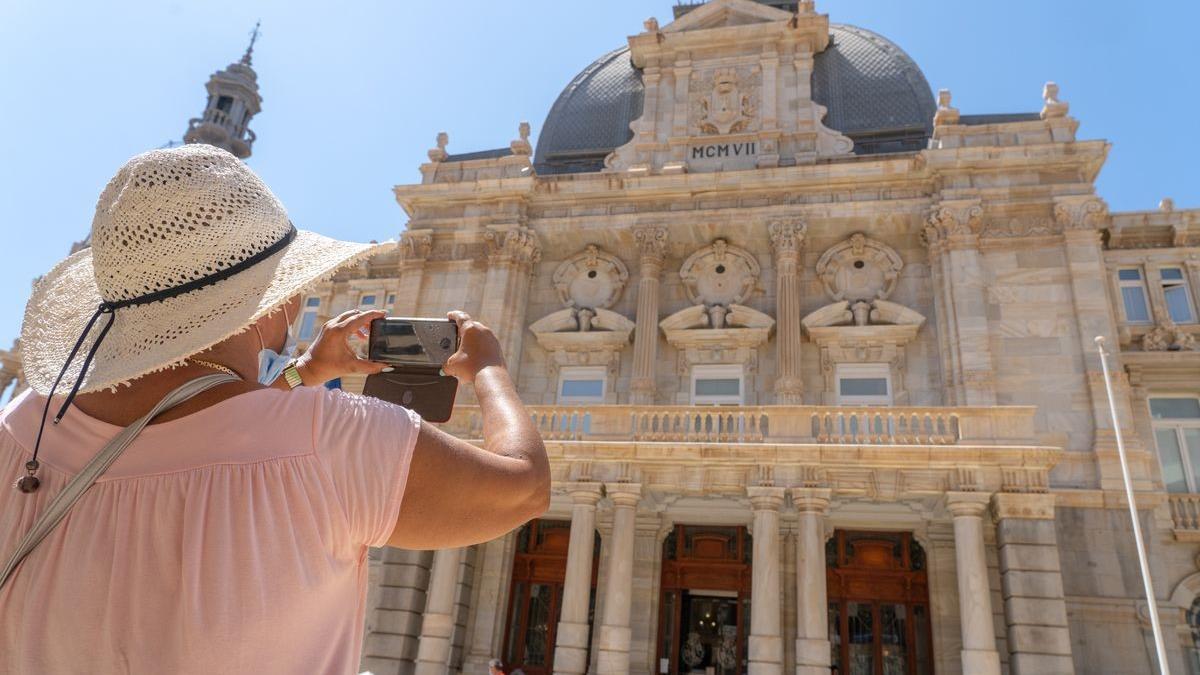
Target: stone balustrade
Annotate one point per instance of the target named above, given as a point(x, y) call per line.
point(1185, 513)
point(832, 425)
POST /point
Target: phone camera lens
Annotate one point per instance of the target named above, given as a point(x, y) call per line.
point(445, 343)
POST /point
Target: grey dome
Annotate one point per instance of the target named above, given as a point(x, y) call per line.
point(874, 93)
point(591, 116)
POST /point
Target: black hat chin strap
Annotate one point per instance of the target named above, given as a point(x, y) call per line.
point(30, 482)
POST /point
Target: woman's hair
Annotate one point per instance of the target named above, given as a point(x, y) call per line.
point(495, 663)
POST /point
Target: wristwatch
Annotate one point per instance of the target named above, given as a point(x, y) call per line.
point(292, 376)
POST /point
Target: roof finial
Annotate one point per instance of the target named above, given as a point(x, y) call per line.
point(253, 37)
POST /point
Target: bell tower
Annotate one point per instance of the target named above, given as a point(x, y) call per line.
point(232, 101)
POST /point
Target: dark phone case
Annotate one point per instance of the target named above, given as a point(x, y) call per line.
point(426, 392)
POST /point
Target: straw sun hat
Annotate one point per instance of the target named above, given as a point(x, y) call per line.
point(188, 248)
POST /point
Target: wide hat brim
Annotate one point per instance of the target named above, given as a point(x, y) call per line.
point(159, 335)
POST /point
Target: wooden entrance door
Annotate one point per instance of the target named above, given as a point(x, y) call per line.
point(878, 604)
point(704, 609)
point(535, 597)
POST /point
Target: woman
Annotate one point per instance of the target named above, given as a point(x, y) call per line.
point(230, 535)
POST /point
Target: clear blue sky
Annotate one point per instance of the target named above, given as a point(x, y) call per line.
point(355, 92)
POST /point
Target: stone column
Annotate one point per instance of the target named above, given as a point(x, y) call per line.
point(766, 636)
point(787, 238)
point(614, 638)
point(1081, 217)
point(415, 246)
point(652, 246)
point(570, 651)
point(979, 653)
point(437, 626)
point(512, 255)
point(1035, 610)
point(488, 605)
point(955, 226)
point(812, 610)
point(943, 316)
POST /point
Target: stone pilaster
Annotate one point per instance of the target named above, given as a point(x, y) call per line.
point(415, 246)
point(1081, 218)
point(979, 653)
point(787, 238)
point(1031, 580)
point(766, 636)
point(570, 651)
point(391, 643)
point(512, 255)
point(652, 246)
point(812, 618)
point(954, 226)
point(614, 638)
point(437, 625)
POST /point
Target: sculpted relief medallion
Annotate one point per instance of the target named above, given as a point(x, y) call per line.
point(590, 279)
point(724, 101)
point(859, 269)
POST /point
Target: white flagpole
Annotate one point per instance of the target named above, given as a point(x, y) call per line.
point(1159, 645)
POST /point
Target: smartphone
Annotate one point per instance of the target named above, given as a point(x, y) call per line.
point(423, 344)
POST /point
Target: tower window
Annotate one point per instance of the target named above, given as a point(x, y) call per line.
point(225, 103)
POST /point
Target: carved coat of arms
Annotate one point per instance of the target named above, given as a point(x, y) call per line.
point(726, 109)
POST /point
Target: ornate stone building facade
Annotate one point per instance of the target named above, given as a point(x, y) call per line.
point(813, 356)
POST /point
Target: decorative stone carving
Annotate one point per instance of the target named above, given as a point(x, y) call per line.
point(719, 276)
point(1053, 107)
point(787, 236)
point(724, 101)
point(1020, 227)
point(518, 245)
point(945, 113)
point(651, 243)
point(589, 280)
point(859, 269)
point(737, 340)
point(439, 154)
point(949, 219)
point(521, 145)
point(1084, 212)
point(1166, 336)
point(416, 245)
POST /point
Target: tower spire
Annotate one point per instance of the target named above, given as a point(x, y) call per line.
point(233, 99)
point(253, 38)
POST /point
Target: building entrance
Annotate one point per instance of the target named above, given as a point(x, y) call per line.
point(535, 600)
point(704, 613)
point(878, 604)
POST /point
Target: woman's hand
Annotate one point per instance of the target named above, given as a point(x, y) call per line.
point(330, 355)
point(478, 348)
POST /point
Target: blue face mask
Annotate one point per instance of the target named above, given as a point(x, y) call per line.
point(272, 363)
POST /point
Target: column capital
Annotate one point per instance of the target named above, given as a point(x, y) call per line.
point(415, 245)
point(969, 504)
point(1080, 212)
point(651, 243)
point(584, 492)
point(766, 498)
point(624, 494)
point(960, 218)
point(811, 500)
point(787, 235)
point(1034, 506)
point(517, 245)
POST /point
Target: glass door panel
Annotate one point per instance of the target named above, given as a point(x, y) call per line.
point(861, 638)
point(893, 639)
